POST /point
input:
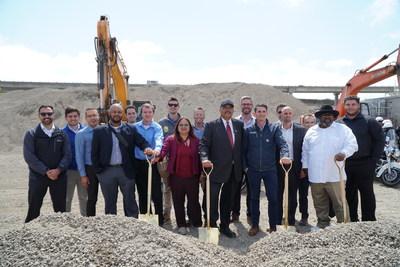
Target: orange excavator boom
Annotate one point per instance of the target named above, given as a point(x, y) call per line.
point(367, 77)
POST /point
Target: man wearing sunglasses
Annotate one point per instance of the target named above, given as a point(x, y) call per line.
point(48, 153)
point(168, 125)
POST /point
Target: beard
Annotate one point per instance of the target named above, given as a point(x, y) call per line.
point(116, 119)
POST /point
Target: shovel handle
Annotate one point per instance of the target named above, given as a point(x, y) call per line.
point(149, 181)
point(286, 192)
point(342, 188)
point(287, 170)
point(208, 195)
point(208, 173)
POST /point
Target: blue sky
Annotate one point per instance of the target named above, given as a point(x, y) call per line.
point(276, 42)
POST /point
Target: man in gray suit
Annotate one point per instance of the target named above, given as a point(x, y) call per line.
point(221, 147)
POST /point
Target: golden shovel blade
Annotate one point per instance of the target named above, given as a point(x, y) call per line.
point(149, 218)
point(286, 228)
point(209, 235)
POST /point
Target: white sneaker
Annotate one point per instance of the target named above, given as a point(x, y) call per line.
point(315, 228)
point(182, 230)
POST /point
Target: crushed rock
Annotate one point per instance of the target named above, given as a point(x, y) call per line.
point(68, 239)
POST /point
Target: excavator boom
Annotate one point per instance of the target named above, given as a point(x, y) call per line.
point(112, 75)
point(365, 78)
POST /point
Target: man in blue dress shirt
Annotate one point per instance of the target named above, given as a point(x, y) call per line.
point(83, 150)
point(152, 132)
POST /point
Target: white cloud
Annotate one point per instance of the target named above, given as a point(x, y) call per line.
point(286, 3)
point(380, 10)
point(143, 61)
point(20, 63)
point(339, 63)
point(393, 35)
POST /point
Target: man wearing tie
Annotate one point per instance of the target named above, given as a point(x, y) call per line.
point(220, 148)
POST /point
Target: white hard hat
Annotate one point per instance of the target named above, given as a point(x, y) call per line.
point(387, 124)
point(384, 121)
point(380, 119)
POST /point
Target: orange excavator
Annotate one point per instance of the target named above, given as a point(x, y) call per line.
point(366, 77)
point(112, 75)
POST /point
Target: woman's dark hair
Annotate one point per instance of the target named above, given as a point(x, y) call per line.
point(176, 132)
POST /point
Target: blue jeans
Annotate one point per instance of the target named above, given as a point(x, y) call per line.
point(271, 188)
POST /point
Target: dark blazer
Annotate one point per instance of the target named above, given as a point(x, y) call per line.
point(102, 148)
point(298, 136)
point(215, 146)
point(170, 147)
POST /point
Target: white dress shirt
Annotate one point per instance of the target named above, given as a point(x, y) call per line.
point(288, 136)
point(48, 132)
point(320, 147)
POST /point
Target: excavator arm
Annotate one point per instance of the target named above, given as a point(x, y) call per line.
point(365, 78)
point(112, 75)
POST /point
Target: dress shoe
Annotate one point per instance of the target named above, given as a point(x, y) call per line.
point(254, 230)
point(303, 222)
point(270, 230)
point(182, 230)
point(228, 232)
point(235, 218)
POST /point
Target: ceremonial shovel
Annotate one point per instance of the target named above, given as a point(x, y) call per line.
point(148, 217)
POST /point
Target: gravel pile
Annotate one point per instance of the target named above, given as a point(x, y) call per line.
point(71, 240)
point(353, 244)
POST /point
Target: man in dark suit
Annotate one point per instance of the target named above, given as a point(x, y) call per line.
point(293, 133)
point(221, 147)
point(112, 154)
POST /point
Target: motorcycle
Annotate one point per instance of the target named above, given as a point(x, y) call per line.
point(388, 169)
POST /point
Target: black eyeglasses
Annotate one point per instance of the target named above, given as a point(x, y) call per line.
point(183, 124)
point(173, 105)
point(279, 112)
point(46, 113)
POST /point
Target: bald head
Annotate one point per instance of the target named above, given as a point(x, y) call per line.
point(115, 113)
point(287, 115)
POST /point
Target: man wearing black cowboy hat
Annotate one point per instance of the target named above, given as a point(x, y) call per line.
point(323, 144)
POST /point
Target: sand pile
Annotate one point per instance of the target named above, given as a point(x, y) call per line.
point(19, 108)
point(71, 240)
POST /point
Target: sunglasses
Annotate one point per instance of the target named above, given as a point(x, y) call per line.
point(173, 105)
point(279, 112)
point(183, 124)
point(46, 113)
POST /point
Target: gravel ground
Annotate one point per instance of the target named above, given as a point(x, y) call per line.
point(71, 240)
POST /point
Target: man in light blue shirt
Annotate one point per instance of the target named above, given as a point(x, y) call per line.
point(83, 150)
point(153, 133)
point(198, 125)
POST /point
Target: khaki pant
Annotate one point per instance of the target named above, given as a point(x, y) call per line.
point(74, 179)
point(321, 192)
point(167, 196)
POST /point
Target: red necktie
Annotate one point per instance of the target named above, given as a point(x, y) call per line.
point(229, 131)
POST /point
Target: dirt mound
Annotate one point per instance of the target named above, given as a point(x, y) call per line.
point(19, 108)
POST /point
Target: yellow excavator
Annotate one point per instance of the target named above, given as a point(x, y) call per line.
point(112, 75)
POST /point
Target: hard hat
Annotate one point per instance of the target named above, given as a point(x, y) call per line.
point(380, 119)
point(384, 121)
point(387, 124)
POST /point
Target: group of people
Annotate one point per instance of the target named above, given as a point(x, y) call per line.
point(248, 146)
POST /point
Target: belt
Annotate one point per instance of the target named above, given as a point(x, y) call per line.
point(115, 165)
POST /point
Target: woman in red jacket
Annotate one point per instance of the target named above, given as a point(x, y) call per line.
point(184, 167)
